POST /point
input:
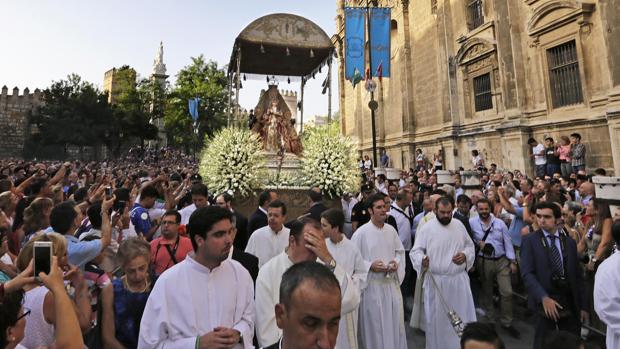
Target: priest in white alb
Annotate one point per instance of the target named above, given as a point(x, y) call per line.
point(381, 321)
point(205, 300)
point(606, 292)
point(306, 243)
point(270, 240)
point(443, 248)
point(350, 259)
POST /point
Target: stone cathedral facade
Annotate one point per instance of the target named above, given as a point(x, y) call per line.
point(489, 74)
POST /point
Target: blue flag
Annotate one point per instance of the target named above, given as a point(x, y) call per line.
point(380, 40)
point(193, 107)
point(354, 28)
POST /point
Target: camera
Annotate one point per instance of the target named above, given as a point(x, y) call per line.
point(488, 250)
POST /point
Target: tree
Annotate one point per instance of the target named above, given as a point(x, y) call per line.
point(209, 83)
point(132, 112)
point(74, 113)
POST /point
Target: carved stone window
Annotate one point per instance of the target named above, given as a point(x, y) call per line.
point(564, 77)
point(475, 14)
point(483, 97)
point(480, 76)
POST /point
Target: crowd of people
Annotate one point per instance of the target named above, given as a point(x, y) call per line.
point(144, 256)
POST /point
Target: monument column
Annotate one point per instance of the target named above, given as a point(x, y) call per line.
point(157, 106)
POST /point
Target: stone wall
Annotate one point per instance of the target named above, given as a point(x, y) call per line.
point(14, 115)
point(428, 102)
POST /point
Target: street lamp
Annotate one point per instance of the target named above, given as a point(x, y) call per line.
point(371, 86)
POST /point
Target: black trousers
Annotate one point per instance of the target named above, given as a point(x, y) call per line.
point(545, 326)
point(407, 288)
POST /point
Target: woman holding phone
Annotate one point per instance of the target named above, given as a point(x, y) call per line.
point(14, 316)
point(40, 328)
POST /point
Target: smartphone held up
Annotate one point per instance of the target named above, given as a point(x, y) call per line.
point(42, 251)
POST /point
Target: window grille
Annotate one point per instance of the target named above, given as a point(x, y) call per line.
point(476, 16)
point(483, 98)
point(564, 75)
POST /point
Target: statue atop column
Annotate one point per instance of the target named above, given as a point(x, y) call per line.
point(275, 125)
point(159, 68)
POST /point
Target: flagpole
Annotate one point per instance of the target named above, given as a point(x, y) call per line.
point(329, 91)
point(238, 84)
point(372, 104)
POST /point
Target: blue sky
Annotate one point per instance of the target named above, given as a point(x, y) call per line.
point(46, 40)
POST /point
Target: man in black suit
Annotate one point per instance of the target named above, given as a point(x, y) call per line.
point(552, 275)
point(258, 219)
point(224, 200)
point(247, 260)
point(309, 292)
point(316, 207)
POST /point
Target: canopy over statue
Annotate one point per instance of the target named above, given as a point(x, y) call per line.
point(281, 44)
point(275, 125)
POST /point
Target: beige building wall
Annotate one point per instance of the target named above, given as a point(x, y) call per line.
point(428, 102)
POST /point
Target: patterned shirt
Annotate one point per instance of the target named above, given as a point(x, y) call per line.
point(578, 155)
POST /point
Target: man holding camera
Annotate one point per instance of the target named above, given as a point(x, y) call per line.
point(551, 272)
point(495, 261)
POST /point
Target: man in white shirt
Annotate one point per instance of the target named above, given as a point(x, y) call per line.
point(442, 254)
point(381, 307)
point(350, 259)
point(538, 154)
point(207, 300)
point(271, 240)
point(404, 222)
point(606, 296)
point(348, 201)
point(200, 198)
point(306, 243)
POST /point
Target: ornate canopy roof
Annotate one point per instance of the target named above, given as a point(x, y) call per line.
point(281, 44)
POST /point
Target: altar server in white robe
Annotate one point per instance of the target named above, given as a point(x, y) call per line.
point(444, 247)
point(205, 300)
point(349, 258)
point(606, 295)
point(306, 243)
point(381, 320)
point(270, 240)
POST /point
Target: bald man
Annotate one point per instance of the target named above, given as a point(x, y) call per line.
point(586, 191)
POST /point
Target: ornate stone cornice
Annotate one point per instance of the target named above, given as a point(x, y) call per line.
point(571, 11)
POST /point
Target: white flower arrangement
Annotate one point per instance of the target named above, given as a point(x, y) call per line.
point(233, 161)
point(329, 160)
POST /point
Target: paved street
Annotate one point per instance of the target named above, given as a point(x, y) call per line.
point(523, 323)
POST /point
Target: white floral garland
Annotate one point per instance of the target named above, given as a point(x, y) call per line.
point(329, 160)
point(232, 161)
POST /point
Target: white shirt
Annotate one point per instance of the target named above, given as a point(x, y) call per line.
point(268, 295)
point(347, 207)
point(6, 259)
point(189, 300)
point(381, 322)
point(539, 159)
point(348, 257)
point(265, 244)
point(607, 298)
point(404, 224)
point(186, 212)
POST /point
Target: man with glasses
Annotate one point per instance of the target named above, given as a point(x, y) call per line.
point(170, 248)
point(552, 275)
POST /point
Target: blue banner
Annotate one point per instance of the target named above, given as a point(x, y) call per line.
point(354, 29)
point(380, 41)
point(193, 107)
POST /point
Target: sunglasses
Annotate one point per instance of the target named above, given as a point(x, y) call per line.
point(26, 313)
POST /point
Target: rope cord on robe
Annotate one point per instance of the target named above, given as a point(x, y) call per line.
point(455, 319)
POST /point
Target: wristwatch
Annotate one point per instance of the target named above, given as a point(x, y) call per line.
point(332, 265)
